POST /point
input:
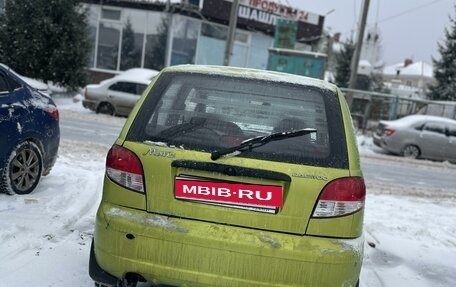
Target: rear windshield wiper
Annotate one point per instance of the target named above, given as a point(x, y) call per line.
point(255, 142)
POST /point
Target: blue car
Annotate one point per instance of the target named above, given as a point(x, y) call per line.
point(29, 134)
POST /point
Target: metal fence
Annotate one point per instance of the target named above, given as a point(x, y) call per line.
point(370, 107)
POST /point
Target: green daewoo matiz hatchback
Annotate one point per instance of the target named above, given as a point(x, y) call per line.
point(226, 176)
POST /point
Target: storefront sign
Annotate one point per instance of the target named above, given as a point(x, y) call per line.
point(281, 10)
point(262, 15)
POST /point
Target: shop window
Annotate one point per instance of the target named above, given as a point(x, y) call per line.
point(211, 44)
point(110, 14)
point(258, 56)
point(108, 45)
point(185, 35)
point(241, 37)
point(93, 13)
point(132, 39)
point(156, 40)
point(239, 56)
point(214, 31)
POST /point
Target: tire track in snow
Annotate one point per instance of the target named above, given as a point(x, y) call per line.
point(63, 206)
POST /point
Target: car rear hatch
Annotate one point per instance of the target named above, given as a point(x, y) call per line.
point(293, 189)
point(274, 187)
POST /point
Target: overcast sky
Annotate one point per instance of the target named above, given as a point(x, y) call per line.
point(409, 28)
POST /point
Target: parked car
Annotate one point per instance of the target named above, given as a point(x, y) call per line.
point(30, 134)
point(227, 176)
point(118, 95)
point(418, 136)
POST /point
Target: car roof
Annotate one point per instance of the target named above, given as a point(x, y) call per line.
point(134, 75)
point(252, 74)
point(411, 119)
point(137, 74)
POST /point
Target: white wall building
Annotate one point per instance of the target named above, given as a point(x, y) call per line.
point(408, 78)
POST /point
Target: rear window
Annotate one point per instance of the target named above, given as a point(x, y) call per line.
point(210, 112)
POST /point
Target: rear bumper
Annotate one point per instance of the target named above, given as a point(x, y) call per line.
point(51, 146)
point(389, 144)
point(179, 251)
point(98, 274)
point(89, 104)
point(378, 141)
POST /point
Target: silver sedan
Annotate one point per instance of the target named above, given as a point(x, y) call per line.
point(418, 136)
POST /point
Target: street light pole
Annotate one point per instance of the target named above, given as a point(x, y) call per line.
point(357, 52)
point(231, 32)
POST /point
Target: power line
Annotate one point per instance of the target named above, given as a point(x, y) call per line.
point(397, 15)
point(408, 11)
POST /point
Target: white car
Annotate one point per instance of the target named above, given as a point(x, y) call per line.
point(118, 95)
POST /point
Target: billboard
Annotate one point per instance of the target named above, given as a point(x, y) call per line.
point(263, 15)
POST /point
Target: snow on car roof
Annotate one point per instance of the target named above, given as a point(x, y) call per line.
point(138, 73)
point(135, 75)
point(412, 119)
point(253, 74)
point(37, 84)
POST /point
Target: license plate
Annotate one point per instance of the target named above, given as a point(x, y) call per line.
point(256, 197)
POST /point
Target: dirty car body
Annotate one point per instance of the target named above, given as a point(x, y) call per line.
point(226, 176)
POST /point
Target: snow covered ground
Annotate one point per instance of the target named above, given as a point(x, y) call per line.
point(45, 236)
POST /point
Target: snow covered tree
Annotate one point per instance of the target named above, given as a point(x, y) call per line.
point(46, 39)
point(445, 67)
point(343, 68)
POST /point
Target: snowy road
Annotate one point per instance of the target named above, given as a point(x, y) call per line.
point(88, 130)
point(408, 173)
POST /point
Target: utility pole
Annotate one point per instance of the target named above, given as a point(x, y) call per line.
point(357, 52)
point(231, 32)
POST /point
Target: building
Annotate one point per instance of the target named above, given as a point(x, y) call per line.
point(409, 78)
point(372, 48)
point(155, 34)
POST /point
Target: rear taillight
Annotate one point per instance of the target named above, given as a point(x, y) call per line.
point(341, 197)
point(53, 112)
point(124, 168)
point(388, 131)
